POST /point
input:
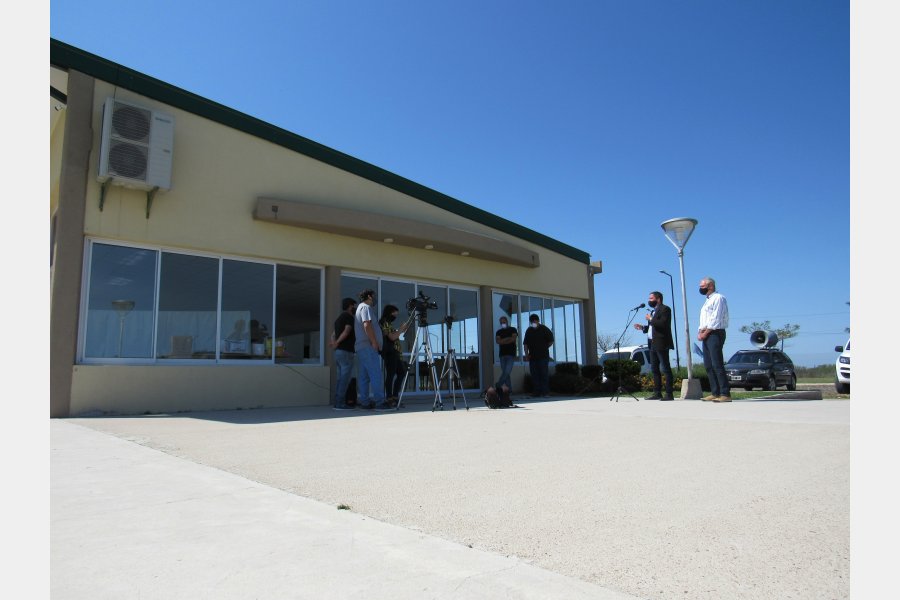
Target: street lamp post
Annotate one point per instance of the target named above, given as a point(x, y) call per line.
point(679, 232)
point(674, 320)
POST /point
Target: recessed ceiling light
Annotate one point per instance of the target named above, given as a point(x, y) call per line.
point(388, 240)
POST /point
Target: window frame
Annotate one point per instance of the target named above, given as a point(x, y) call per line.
point(154, 360)
point(522, 324)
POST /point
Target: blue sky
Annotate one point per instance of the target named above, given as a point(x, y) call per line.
point(591, 122)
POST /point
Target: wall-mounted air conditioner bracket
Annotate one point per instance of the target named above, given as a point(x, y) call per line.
point(103, 187)
point(150, 196)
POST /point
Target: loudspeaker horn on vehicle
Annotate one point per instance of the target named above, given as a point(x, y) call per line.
point(763, 339)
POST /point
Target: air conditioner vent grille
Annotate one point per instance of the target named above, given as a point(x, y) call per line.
point(128, 160)
point(136, 146)
point(131, 123)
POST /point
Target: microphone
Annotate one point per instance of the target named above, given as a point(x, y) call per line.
point(639, 306)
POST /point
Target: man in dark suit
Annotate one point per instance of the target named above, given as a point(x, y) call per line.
point(659, 338)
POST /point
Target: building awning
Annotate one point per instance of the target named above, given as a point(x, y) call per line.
point(393, 230)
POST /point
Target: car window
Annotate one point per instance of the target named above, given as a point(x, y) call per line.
point(638, 358)
point(613, 356)
point(749, 357)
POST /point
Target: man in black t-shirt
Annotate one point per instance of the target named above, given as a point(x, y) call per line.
point(538, 340)
point(506, 341)
point(343, 340)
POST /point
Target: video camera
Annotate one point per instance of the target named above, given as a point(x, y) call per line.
point(420, 303)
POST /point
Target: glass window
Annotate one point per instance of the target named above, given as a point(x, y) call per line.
point(463, 336)
point(559, 330)
point(298, 317)
point(120, 304)
point(352, 285)
point(575, 334)
point(188, 302)
point(436, 328)
point(247, 291)
point(464, 329)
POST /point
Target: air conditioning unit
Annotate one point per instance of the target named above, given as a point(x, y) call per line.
point(136, 146)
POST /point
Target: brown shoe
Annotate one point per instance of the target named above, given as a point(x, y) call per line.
point(722, 399)
point(709, 398)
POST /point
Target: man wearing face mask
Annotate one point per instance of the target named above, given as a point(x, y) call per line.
point(538, 340)
point(506, 338)
point(659, 336)
point(713, 322)
point(370, 379)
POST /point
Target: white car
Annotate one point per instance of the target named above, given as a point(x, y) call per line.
point(639, 354)
point(842, 369)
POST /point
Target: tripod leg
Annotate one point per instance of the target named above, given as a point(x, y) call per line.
point(458, 379)
point(413, 361)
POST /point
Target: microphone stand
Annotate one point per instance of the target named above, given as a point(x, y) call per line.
point(621, 389)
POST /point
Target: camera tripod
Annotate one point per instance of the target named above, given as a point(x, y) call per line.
point(422, 344)
point(451, 370)
point(620, 388)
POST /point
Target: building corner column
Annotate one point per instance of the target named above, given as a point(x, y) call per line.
point(68, 260)
point(486, 335)
point(589, 310)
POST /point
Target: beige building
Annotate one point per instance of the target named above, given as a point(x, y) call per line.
point(199, 257)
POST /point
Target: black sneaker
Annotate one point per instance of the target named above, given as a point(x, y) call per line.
point(654, 397)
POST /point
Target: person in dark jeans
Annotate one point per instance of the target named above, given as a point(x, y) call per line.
point(506, 338)
point(537, 342)
point(343, 340)
point(392, 353)
point(659, 340)
point(713, 322)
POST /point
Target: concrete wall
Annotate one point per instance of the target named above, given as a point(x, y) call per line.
point(135, 389)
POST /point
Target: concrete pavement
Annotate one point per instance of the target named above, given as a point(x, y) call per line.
point(565, 499)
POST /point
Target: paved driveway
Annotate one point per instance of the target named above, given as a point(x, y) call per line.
point(680, 499)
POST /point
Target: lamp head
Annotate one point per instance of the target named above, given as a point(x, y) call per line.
point(679, 230)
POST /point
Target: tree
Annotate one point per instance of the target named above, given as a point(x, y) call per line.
point(786, 332)
point(605, 342)
point(608, 342)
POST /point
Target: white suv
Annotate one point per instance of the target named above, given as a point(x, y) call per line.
point(639, 354)
point(842, 369)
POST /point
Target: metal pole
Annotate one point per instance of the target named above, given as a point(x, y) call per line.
point(674, 320)
point(687, 330)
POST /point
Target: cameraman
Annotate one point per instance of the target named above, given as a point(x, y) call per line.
point(367, 348)
point(392, 353)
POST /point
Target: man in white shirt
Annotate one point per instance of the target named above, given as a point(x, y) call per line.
point(370, 379)
point(711, 333)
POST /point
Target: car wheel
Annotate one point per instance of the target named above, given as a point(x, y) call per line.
point(771, 384)
point(792, 384)
point(842, 388)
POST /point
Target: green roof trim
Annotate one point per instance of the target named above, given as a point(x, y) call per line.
point(67, 57)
